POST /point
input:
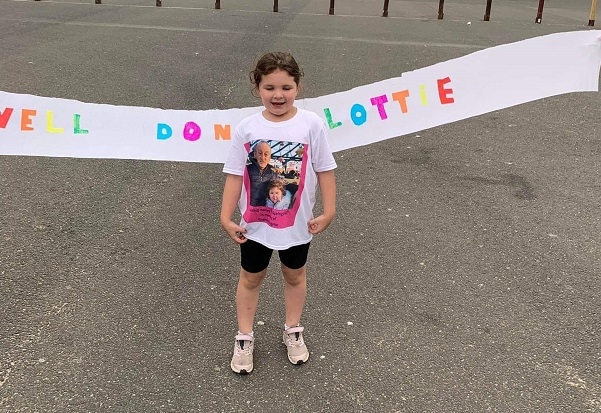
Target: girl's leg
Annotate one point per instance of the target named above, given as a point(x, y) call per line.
point(295, 292)
point(247, 298)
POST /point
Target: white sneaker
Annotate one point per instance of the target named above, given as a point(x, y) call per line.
point(242, 360)
point(295, 344)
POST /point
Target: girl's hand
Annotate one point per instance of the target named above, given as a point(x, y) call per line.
point(319, 224)
point(235, 231)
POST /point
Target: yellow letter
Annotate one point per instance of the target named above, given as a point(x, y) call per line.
point(50, 124)
point(422, 95)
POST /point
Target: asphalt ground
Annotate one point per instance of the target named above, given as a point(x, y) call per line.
point(460, 275)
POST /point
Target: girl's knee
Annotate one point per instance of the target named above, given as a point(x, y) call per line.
point(252, 280)
point(294, 276)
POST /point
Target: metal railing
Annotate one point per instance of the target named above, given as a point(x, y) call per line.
point(539, 13)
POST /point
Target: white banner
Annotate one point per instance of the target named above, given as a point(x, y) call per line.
point(478, 83)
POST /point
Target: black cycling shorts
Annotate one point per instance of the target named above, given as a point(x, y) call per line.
point(254, 257)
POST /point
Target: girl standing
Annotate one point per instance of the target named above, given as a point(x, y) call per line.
point(300, 138)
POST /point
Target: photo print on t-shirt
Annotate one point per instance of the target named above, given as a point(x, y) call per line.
point(274, 181)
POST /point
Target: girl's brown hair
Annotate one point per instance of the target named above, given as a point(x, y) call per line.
point(270, 62)
point(276, 183)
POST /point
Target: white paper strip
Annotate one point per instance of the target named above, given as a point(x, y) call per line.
point(478, 83)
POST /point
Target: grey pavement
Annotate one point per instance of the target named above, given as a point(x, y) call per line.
point(460, 275)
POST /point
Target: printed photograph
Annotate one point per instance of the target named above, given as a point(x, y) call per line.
point(274, 171)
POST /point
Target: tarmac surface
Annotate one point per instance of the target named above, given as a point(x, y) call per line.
point(460, 275)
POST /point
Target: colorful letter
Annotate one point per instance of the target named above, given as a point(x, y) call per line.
point(50, 124)
point(5, 116)
point(422, 95)
point(26, 115)
point(164, 131)
point(223, 132)
point(192, 131)
point(358, 114)
point(77, 127)
point(379, 102)
point(444, 93)
point(331, 123)
point(401, 97)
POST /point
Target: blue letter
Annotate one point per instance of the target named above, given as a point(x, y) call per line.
point(164, 131)
point(358, 114)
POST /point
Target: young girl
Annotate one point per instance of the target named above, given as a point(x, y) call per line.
point(303, 135)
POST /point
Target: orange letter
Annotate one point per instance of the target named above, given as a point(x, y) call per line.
point(26, 115)
point(444, 93)
point(222, 132)
point(401, 97)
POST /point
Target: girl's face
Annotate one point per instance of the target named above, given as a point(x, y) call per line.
point(275, 195)
point(278, 91)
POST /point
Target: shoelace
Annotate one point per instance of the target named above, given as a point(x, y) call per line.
point(243, 347)
point(295, 339)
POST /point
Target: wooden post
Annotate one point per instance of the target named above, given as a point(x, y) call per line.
point(539, 13)
point(591, 17)
point(217, 4)
point(275, 6)
point(487, 12)
point(440, 9)
point(385, 12)
point(331, 7)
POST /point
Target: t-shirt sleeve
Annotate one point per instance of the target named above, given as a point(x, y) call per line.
point(237, 155)
point(323, 160)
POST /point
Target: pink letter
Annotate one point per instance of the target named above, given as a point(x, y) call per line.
point(192, 131)
point(379, 102)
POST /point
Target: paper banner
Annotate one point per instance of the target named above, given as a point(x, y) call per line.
point(478, 83)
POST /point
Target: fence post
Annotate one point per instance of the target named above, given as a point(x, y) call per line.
point(275, 6)
point(217, 4)
point(487, 12)
point(539, 13)
point(385, 12)
point(440, 10)
point(591, 17)
point(331, 7)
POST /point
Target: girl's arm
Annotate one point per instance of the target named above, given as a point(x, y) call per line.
point(231, 194)
point(327, 186)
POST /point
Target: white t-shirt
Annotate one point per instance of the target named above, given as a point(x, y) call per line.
point(299, 149)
